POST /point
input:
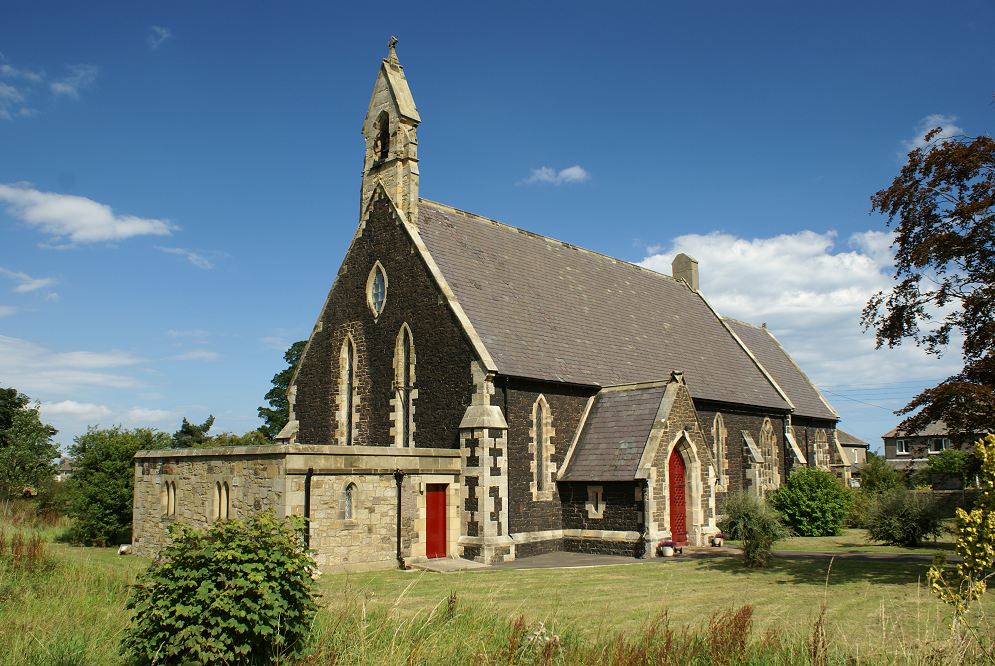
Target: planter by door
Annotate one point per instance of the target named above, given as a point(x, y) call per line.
point(435, 520)
point(678, 502)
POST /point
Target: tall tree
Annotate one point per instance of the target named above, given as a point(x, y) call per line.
point(942, 208)
point(276, 415)
point(27, 452)
point(193, 435)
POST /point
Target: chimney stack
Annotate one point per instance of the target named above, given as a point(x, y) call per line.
point(685, 268)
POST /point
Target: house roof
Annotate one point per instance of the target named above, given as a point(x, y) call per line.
point(934, 429)
point(846, 439)
point(772, 356)
point(614, 435)
point(548, 310)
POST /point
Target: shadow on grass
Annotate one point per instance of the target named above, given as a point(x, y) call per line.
point(800, 571)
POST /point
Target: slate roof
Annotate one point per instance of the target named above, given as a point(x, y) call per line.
point(614, 435)
point(934, 429)
point(846, 439)
point(548, 310)
point(799, 388)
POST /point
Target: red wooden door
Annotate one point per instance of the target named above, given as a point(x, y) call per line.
point(435, 520)
point(678, 501)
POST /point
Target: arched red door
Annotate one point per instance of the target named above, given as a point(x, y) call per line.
point(678, 502)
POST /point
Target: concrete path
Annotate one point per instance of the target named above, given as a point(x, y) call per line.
point(449, 565)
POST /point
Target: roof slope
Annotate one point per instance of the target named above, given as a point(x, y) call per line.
point(614, 435)
point(933, 429)
point(548, 310)
point(802, 393)
point(846, 439)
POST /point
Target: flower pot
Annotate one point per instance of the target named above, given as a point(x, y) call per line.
point(717, 541)
point(666, 551)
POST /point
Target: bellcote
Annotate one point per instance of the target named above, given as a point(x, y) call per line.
point(390, 134)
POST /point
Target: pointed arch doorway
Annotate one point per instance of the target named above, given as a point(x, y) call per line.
point(677, 484)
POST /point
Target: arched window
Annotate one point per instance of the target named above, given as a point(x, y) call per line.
point(171, 498)
point(541, 449)
point(822, 458)
point(404, 388)
point(376, 289)
point(719, 448)
point(347, 389)
point(350, 497)
point(216, 504)
point(381, 144)
point(164, 500)
point(768, 448)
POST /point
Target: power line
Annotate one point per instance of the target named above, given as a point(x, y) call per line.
point(871, 404)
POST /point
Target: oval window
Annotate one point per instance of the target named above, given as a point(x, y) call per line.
point(377, 291)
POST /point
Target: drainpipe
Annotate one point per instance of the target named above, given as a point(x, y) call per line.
point(399, 478)
point(307, 507)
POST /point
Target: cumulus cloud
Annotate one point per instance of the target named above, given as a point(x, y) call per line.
point(195, 258)
point(26, 283)
point(146, 415)
point(77, 78)
point(550, 176)
point(809, 288)
point(6, 310)
point(158, 35)
point(85, 411)
point(197, 355)
point(947, 125)
point(75, 219)
point(36, 369)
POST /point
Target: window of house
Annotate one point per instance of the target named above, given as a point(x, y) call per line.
point(349, 499)
point(902, 447)
point(719, 447)
point(541, 449)
point(937, 444)
point(376, 289)
point(347, 388)
point(404, 388)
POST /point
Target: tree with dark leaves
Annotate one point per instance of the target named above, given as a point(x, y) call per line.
point(277, 414)
point(942, 208)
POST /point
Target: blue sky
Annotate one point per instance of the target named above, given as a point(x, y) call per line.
point(179, 181)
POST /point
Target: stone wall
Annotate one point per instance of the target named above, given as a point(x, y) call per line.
point(737, 419)
point(443, 354)
point(256, 483)
point(805, 435)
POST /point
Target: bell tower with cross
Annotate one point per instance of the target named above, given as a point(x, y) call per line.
point(390, 133)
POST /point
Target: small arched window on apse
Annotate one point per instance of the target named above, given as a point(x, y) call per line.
point(381, 143)
point(542, 448)
point(404, 388)
point(347, 388)
point(719, 448)
point(349, 502)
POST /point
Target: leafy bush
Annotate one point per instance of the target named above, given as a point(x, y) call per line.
point(862, 505)
point(102, 486)
point(877, 476)
point(239, 592)
point(904, 518)
point(750, 520)
point(813, 502)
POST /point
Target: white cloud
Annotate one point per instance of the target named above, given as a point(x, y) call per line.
point(549, 175)
point(145, 415)
point(158, 35)
point(197, 355)
point(198, 260)
point(26, 282)
point(77, 78)
point(6, 310)
point(76, 219)
point(10, 72)
point(930, 122)
point(35, 369)
point(82, 410)
point(12, 102)
point(810, 293)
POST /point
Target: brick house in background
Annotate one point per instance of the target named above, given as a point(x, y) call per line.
point(910, 451)
point(473, 389)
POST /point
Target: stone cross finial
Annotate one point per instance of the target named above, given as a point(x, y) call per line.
point(392, 46)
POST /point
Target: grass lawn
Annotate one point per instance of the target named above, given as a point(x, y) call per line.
point(873, 608)
point(856, 541)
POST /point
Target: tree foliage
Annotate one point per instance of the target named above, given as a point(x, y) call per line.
point(237, 593)
point(904, 518)
point(191, 435)
point(750, 520)
point(276, 415)
point(102, 486)
point(27, 452)
point(942, 207)
point(813, 502)
point(877, 476)
point(967, 581)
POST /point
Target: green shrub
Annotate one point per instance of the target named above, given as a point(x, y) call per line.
point(239, 592)
point(813, 502)
point(877, 476)
point(904, 518)
point(103, 483)
point(749, 520)
point(862, 505)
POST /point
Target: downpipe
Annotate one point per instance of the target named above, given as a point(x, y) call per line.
point(399, 479)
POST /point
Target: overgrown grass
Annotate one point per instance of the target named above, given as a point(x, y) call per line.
point(858, 541)
point(69, 608)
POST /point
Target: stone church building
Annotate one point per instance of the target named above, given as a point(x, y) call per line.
point(471, 389)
